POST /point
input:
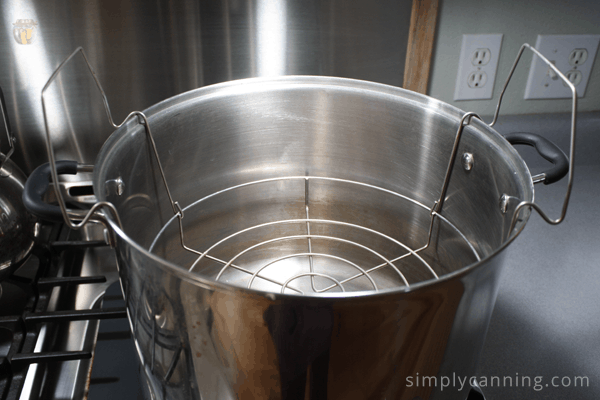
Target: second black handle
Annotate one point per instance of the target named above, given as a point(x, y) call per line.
point(36, 186)
point(546, 149)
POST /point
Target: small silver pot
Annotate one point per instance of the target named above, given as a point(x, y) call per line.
point(17, 225)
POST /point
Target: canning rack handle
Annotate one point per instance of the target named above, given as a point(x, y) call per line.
point(92, 213)
point(533, 205)
point(466, 120)
point(437, 206)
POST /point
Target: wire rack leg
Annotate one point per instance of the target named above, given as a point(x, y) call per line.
point(310, 258)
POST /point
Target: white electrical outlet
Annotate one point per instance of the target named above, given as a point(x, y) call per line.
point(479, 55)
point(573, 55)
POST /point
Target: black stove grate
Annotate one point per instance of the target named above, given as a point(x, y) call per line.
point(24, 307)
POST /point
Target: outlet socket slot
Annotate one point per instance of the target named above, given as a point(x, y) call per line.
point(574, 77)
point(481, 57)
point(578, 57)
point(477, 79)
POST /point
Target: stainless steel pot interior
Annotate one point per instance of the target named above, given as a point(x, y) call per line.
point(307, 185)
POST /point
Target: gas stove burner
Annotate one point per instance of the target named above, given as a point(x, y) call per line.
point(44, 299)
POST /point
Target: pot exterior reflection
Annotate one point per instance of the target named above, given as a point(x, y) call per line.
point(196, 342)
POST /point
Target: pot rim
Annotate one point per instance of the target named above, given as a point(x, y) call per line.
point(237, 87)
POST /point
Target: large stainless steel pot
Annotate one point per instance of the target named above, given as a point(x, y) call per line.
point(294, 185)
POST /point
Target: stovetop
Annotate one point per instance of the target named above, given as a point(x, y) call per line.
point(50, 310)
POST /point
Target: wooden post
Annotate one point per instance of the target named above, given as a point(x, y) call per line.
point(421, 36)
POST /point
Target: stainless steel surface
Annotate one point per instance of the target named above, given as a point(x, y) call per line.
point(145, 52)
point(187, 328)
point(539, 178)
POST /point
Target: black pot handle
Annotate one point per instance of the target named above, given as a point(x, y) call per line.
point(546, 149)
point(37, 185)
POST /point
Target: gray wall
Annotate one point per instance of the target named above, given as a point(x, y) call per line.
point(520, 22)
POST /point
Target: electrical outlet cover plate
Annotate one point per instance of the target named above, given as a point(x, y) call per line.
point(542, 84)
point(479, 55)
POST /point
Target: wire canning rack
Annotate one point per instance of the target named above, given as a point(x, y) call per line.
point(312, 252)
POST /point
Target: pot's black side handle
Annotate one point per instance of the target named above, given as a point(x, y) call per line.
point(546, 149)
point(37, 185)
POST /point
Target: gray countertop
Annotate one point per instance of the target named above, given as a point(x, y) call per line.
point(546, 322)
